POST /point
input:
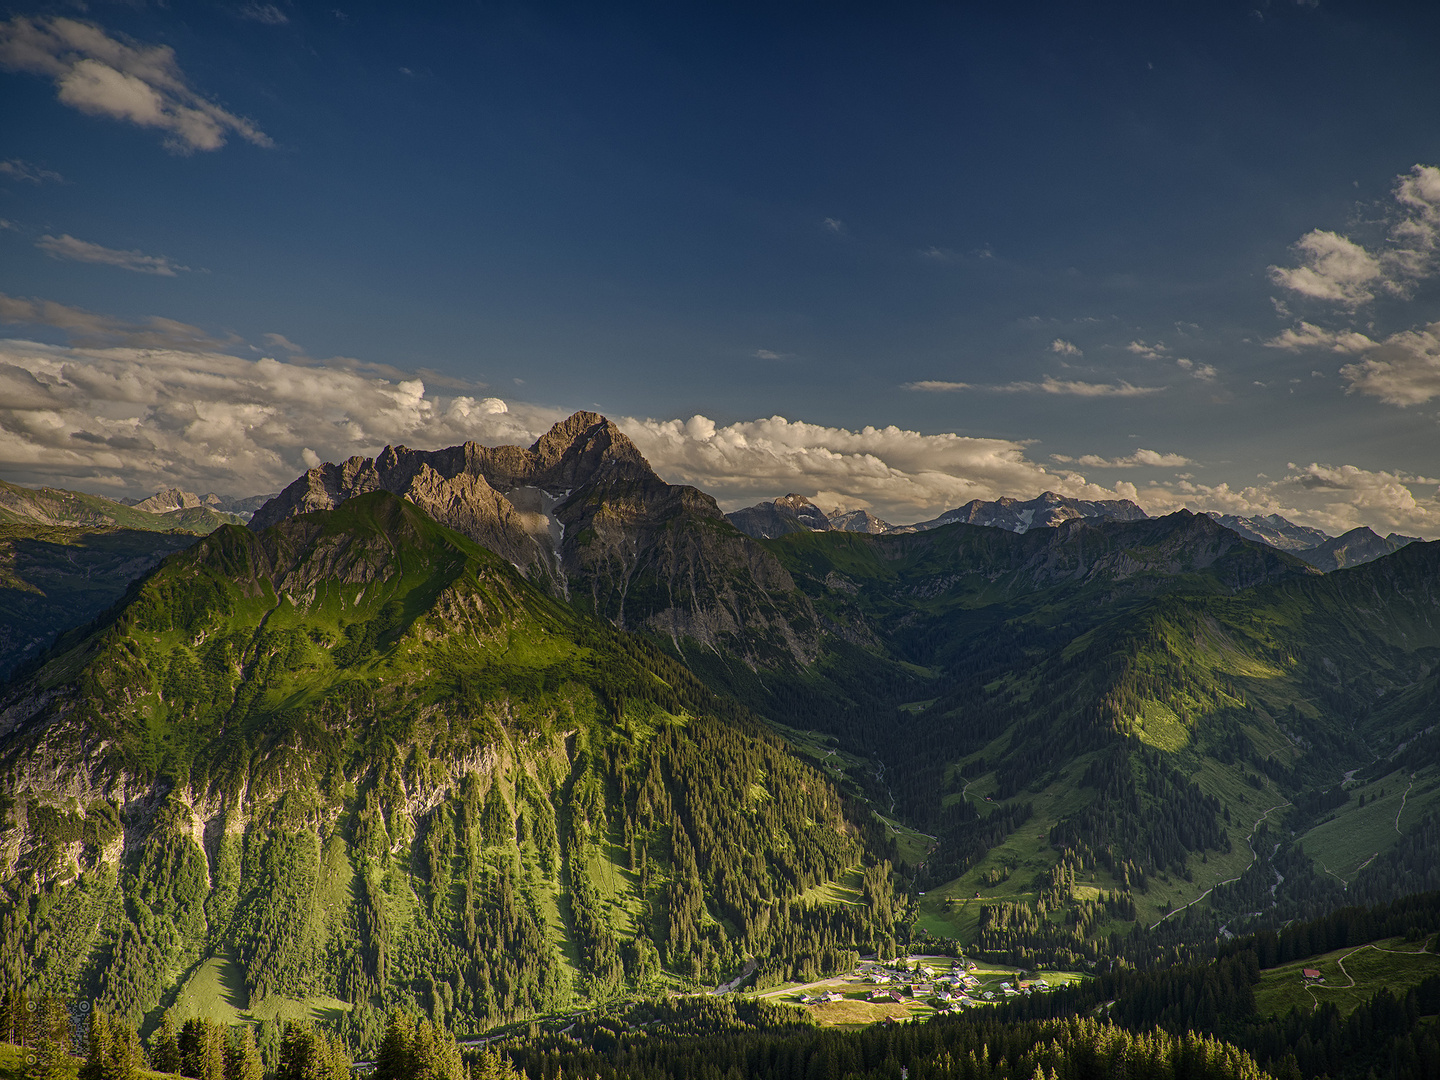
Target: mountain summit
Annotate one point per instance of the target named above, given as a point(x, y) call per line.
point(582, 513)
point(499, 496)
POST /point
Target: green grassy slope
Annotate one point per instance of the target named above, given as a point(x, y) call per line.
point(1349, 977)
point(356, 761)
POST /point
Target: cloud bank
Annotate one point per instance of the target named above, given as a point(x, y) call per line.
point(898, 474)
point(132, 420)
point(104, 76)
point(157, 404)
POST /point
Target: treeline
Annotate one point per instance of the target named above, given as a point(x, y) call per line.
point(1217, 999)
point(53, 1032)
point(719, 1040)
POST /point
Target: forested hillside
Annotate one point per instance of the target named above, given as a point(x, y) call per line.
point(356, 762)
point(1103, 723)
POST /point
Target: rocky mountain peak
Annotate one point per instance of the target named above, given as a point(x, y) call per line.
point(776, 517)
point(162, 502)
point(582, 512)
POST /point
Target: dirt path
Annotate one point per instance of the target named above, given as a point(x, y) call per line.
point(1253, 856)
point(1340, 963)
point(1402, 802)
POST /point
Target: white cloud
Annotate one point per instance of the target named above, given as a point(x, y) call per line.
point(770, 354)
point(1204, 372)
point(1160, 351)
point(1306, 335)
point(1139, 459)
point(1404, 369)
point(1075, 388)
point(834, 225)
point(25, 170)
point(1415, 236)
point(1351, 496)
point(69, 248)
point(1340, 271)
point(1156, 351)
point(1332, 267)
point(104, 76)
point(280, 341)
point(1065, 348)
point(137, 419)
point(1047, 385)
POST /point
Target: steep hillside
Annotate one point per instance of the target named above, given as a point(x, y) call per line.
point(53, 579)
point(356, 761)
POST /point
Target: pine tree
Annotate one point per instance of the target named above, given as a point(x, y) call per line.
point(99, 1048)
point(242, 1056)
point(491, 1066)
point(165, 1046)
point(50, 1042)
point(125, 1053)
point(393, 1061)
point(306, 1054)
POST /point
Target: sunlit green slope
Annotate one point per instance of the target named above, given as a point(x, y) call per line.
point(355, 761)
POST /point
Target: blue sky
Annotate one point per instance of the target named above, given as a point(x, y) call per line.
point(1185, 253)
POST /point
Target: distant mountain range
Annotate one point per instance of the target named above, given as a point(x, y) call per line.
point(51, 506)
point(1046, 510)
point(795, 513)
point(1319, 549)
point(169, 500)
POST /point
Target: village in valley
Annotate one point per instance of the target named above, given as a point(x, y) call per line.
point(915, 987)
